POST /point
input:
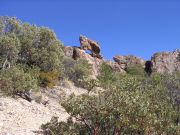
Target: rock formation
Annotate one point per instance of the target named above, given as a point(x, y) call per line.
point(77, 53)
point(127, 61)
point(88, 44)
point(166, 62)
point(115, 66)
point(68, 51)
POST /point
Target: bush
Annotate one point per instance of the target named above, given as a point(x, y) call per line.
point(130, 108)
point(48, 79)
point(88, 83)
point(136, 70)
point(106, 76)
point(69, 65)
point(14, 81)
point(76, 71)
point(32, 52)
point(9, 49)
point(27, 44)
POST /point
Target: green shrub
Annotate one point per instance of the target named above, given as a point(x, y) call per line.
point(106, 76)
point(14, 80)
point(28, 44)
point(32, 52)
point(9, 49)
point(130, 108)
point(62, 128)
point(136, 70)
point(69, 65)
point(88, 83)
point(76, 71)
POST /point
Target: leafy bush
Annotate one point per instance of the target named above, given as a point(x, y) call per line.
point(171, 82)
point(106, 76)
point(9, 49)
point(88, 83)
point(33, 51)
point(136, 70)
point(69, 65)
point(62, 128)
point(129, 108)
point(49, 79)
point(76, 71)
point(31, 45)
point(14, 80)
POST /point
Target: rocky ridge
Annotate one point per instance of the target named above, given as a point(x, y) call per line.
point(162, 62)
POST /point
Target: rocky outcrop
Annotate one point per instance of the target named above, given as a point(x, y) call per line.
point(68, 51)
point(166, 62)
point(77, 53)
point(163, 62)
point(115, 66)
point(88, 44)
point(127, 61)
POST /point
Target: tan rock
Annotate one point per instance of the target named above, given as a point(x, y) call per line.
point(127, 61)
point(88, 44)
point(94, 61)
point(68, 51)
point(166, 62)
point(115, 66)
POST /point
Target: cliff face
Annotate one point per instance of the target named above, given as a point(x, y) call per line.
point(162, 62)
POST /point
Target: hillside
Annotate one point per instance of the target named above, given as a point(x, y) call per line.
point(83, 93)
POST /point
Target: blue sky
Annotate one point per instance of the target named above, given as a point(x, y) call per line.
point(138, 27)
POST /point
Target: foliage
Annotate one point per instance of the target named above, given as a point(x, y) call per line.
point(62, 128)
point(9, 49)
point(171, 82)
point(15, 80)
point(35, 49)
point(136, 70)
point(77, 71)
point(29, 44)
point(69, 65)
point(88, 83)
point(129, 107)
point(106, 76)
point(48, 79)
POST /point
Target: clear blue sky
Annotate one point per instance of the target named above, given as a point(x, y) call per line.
point(138, 27)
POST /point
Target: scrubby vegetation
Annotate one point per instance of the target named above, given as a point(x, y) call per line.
point(77, 71)
point(128, 105)
point(136, 70)
point(35, 54)
point(23, 48)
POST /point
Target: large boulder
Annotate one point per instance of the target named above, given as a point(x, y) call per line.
point(128, 61)
point(88, 44)
point(166, 62)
